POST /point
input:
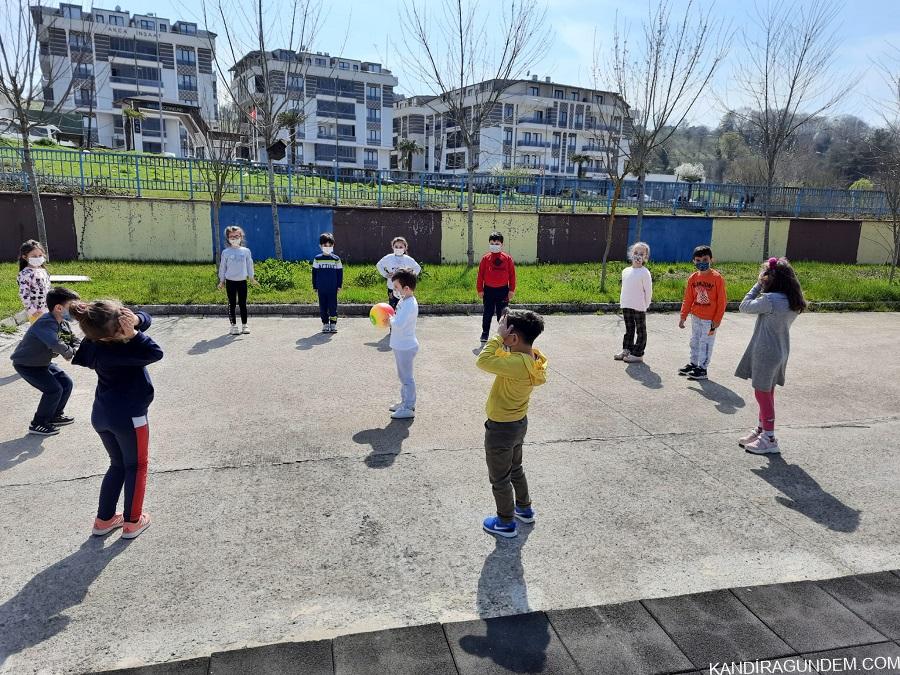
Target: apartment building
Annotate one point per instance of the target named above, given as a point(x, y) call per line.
point(537, 126)
point(347, 106)
point(112, 59)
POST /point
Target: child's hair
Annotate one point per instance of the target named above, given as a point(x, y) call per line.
point(25, 249)
point(231, 229)
point(496, 236)
point(401, 240)
point(60, 295)
point(639, 244)
point(702, 250)
point(326, 238)
point(781, 278)
point(98, 319)
point(406, 277)
point(527, 324)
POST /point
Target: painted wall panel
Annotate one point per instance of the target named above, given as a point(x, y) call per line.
point(823, 240)
point(874, 243)
point(672, 238)
point(567, 238)
point(520, 234)
point(364, 235)
point(741, 239)
point(300, 229)
point(142, 229)
point(17, 224)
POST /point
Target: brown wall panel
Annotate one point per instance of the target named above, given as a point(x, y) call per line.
point(17, 224)
point(835, 241)
point(364, 235)
point(569, 238)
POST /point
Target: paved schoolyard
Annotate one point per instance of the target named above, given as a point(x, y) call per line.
point(288, 506)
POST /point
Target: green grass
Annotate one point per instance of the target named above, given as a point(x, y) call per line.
point(157, 283)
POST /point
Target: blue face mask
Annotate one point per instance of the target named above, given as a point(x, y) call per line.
point(67, 316)
point(702, 266)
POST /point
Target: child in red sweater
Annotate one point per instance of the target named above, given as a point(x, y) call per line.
point(704, 300)
point(496, 282)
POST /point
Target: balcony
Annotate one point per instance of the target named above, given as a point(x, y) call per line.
point(528, 165)
point(533, 144)
point(594, 148)
point(335, 115)
point(373, 97)
point(85, 102)
point(371, 164)
point(533, 119)
point(133, 81)
point(186, 62)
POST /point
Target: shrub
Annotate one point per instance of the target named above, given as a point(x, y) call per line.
point(275, 274)
point(368, 278)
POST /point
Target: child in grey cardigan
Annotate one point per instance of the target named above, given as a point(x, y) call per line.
point(776, 299)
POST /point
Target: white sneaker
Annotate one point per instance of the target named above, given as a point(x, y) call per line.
point(235, 330)
point(245, 330)
point(326, 328)
point(621, 355)
point(750, 437)
point(763, 446)
point(631, 358)
point(398, 406)
point(403, 414)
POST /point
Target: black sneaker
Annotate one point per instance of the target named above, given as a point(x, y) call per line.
point(686, 370)
point(43, 430)
point(698, 374)
point(62, 420)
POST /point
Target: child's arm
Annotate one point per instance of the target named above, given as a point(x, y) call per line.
point(495, 359)
point(512, 277)
point(222, 268)
point(86, 355)
point(687, 302)
point(416, 267)
point(50, 337)
point(315, 275)
point(402, 317)
point(648, 290)
point(29, 290)
point(340, 275)
point(754, 303)
point(382, 268)
point(721, 301)
point(479, 283)
point(250, 272)
point(144, 320)
point(140, 350)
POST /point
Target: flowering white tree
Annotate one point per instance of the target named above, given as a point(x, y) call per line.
point(690, 173)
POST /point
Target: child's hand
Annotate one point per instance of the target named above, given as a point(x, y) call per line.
point(510, 296)
point(480, 294)
point(713, 325)
point(133, 318)
point(127, 323)
point(221, 285)
point(339, 290)
point(681, 323)
point(503, 325)
point(254, 282)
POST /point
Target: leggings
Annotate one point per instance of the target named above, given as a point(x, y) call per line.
point(766, 401)
point(127, 443)
point(237, 293)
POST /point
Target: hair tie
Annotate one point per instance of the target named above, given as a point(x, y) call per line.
point(772, 263)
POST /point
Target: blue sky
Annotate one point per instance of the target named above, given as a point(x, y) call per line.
point(371, 31)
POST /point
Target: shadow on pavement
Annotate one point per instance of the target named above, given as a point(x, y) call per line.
point(205, 346)
point(319, 338)
point(726, 400)
point(19, 450)
point(383, 345)
point(805, 496)
point(9, 379)
point(644, 374)
point(36, 613)
point(386, 443)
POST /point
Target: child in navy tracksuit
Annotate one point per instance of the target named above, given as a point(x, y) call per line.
point(327, 279)
point(117, 348)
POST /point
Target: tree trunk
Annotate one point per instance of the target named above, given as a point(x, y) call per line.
point(639, 221)
point(617, 192)
point(293, 145)
point(276, 226)
point(470, 217)
point(768, 218)
point(896, 252)
point(217, 234)
point(28, 166)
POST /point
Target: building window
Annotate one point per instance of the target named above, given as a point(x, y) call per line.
point(558, 93)
point(372, 92)
point(373, 114)
point(598, 99)
point(579, 118)
point(79, 41)
point(295, 82)
point(538, 115)
point(374, 68)
point(355, 67)
point(343, 65)
point(148, 25)
point(116, 20)
point(325, 131)
point(574, 96)
point(185, 56)
point(507, 135)
point(534, 91)
point(186, 28)
point(84, 70)
point(374, 135)
point(371, 156)
point(99, 18)
point(71, 11)
point(162, 28)
point(320, 62)
point(563, 118)
point(187, 82)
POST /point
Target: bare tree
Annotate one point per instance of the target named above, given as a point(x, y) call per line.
point(887, 172)
point(787, 76)
point(28, 40)
point(449, 50)
point(261, 92)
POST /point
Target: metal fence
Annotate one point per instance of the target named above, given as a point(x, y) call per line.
point(154, 176)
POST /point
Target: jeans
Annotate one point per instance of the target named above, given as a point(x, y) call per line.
point(55, 386)
point(237, 294)
point(635, 322)
point(495, 301)
point(404, 359)
point(701, 341)
point(328, 307)
point(503, 452)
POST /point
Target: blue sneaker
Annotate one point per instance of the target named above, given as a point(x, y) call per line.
point(526, 515)
point(493, 525)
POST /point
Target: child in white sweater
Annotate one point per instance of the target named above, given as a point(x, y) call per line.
point(392, 262)
point(634, 299)
point(404, 343)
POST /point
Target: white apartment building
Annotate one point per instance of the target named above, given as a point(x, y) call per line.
point(347, 106)
point(112, 58)
point(536, 126)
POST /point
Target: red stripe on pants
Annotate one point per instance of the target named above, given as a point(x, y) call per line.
point(140, 480)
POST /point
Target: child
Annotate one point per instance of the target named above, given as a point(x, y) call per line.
point(393, 262)
point(48, 336)
point(777, 299)
point(634, 299)
point(519, 369)
point(117, 348)
point(34, 280)
point(404, 342)
point(704, 300)
point(496, 282)
point(235, 267)
point(327, 280)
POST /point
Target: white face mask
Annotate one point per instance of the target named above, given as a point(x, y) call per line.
point(495, 248)
point(397, 294)
point(399, 251)
point(234, 242)
point(327, 249)
point(37, 262)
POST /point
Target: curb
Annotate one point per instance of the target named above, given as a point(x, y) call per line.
point(15, 320)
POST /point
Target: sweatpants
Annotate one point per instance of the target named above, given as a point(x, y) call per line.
point(766, 401)
point(55, 387)
point(404, 359)
point(635, 322)
point(127, 442)
point(328, 307)
point(503, 452)
point(701, 341)
point(237, 294)
point(495, 301)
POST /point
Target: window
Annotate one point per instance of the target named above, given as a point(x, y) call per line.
point(340, 109)
point(539, 115)
point(79, 41)
point(162, 28)
point(579, 118)
point(374, 135)
point(508, 111)
point(558, 93)
point(355, 67)
point(84, 70)
point(373, 114)
point(186, 28)
point(187, 82)
point(116, 20)
point(71, 11)
point(598, 99)
point(507, 135)
point(573, 96)
point(527, 138)
point(295, 82)
point(185, 56)
point(563, 117)
point(371, 156)
point(145, 49)
point(259, 84)
point(320, 62)
point(372, 92)
point(325, 130)
point(148, 25)
point(374, 68)
point(534, 91)
point(343, 65)
point(99, 18)
point(346, 131)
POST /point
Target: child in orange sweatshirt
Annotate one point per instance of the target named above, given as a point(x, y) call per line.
point(704, 300)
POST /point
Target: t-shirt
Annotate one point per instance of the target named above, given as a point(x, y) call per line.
point(704, 296)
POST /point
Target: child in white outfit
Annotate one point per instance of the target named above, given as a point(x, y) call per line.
point(404, 342)
point(634, 299)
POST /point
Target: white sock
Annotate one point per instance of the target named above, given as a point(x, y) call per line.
point(770, 435)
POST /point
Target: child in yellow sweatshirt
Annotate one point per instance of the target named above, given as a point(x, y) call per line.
point(519, 369)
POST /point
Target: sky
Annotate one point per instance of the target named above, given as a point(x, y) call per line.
point(370, 30)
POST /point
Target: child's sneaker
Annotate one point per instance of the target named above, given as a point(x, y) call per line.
point(621, 355)
point(750, 437)
point(763, 446)
point(326, 328)
point(493, 525)
point(334, 328)
point(631, 358)
point(62, 420)
point(698, 373)
point(235, 330)
point(396, 406)
point(403, 414)
point(245, 330)
point(131, 530)
point(686, 370)
point(42, 430)
point(102, 527)
point(526, 515)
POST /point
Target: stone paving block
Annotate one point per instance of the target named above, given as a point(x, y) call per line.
point(877, 659)
point(186, 667)
point(308, 658)
point(715, 627)
point(416, 650)
point(525, 643)
point(806, 617)
point(620, 638)
point(874, 597)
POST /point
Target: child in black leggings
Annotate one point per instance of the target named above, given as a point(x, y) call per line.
point(235, 268)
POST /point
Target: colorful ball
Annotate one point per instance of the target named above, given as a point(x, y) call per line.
point(380, 315)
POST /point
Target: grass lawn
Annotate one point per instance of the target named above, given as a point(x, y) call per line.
point(159, 283)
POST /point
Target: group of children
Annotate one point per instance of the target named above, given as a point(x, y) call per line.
point(116, 347)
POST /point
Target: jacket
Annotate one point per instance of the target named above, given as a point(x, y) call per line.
point(327, 273)
point(517, 376)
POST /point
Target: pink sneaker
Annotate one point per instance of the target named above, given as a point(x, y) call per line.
point(131, 530)
point(102, 527)
point(749, 438)
point(763, 446)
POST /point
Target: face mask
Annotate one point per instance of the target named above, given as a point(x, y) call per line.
point(37, 262)
point(397, 294)
point(399, 251)
point(637, 258)
point(327, 249)
point(66, 316)
point(495, 248)
point(702, 266)
point(234, 242)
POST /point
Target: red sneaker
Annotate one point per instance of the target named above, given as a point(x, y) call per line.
point(131, 530)
point(102, 527)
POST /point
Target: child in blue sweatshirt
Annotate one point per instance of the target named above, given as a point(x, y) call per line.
point(117, 348)
point(327, 279)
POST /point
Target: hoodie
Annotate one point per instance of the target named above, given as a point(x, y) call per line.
point(517, 375)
